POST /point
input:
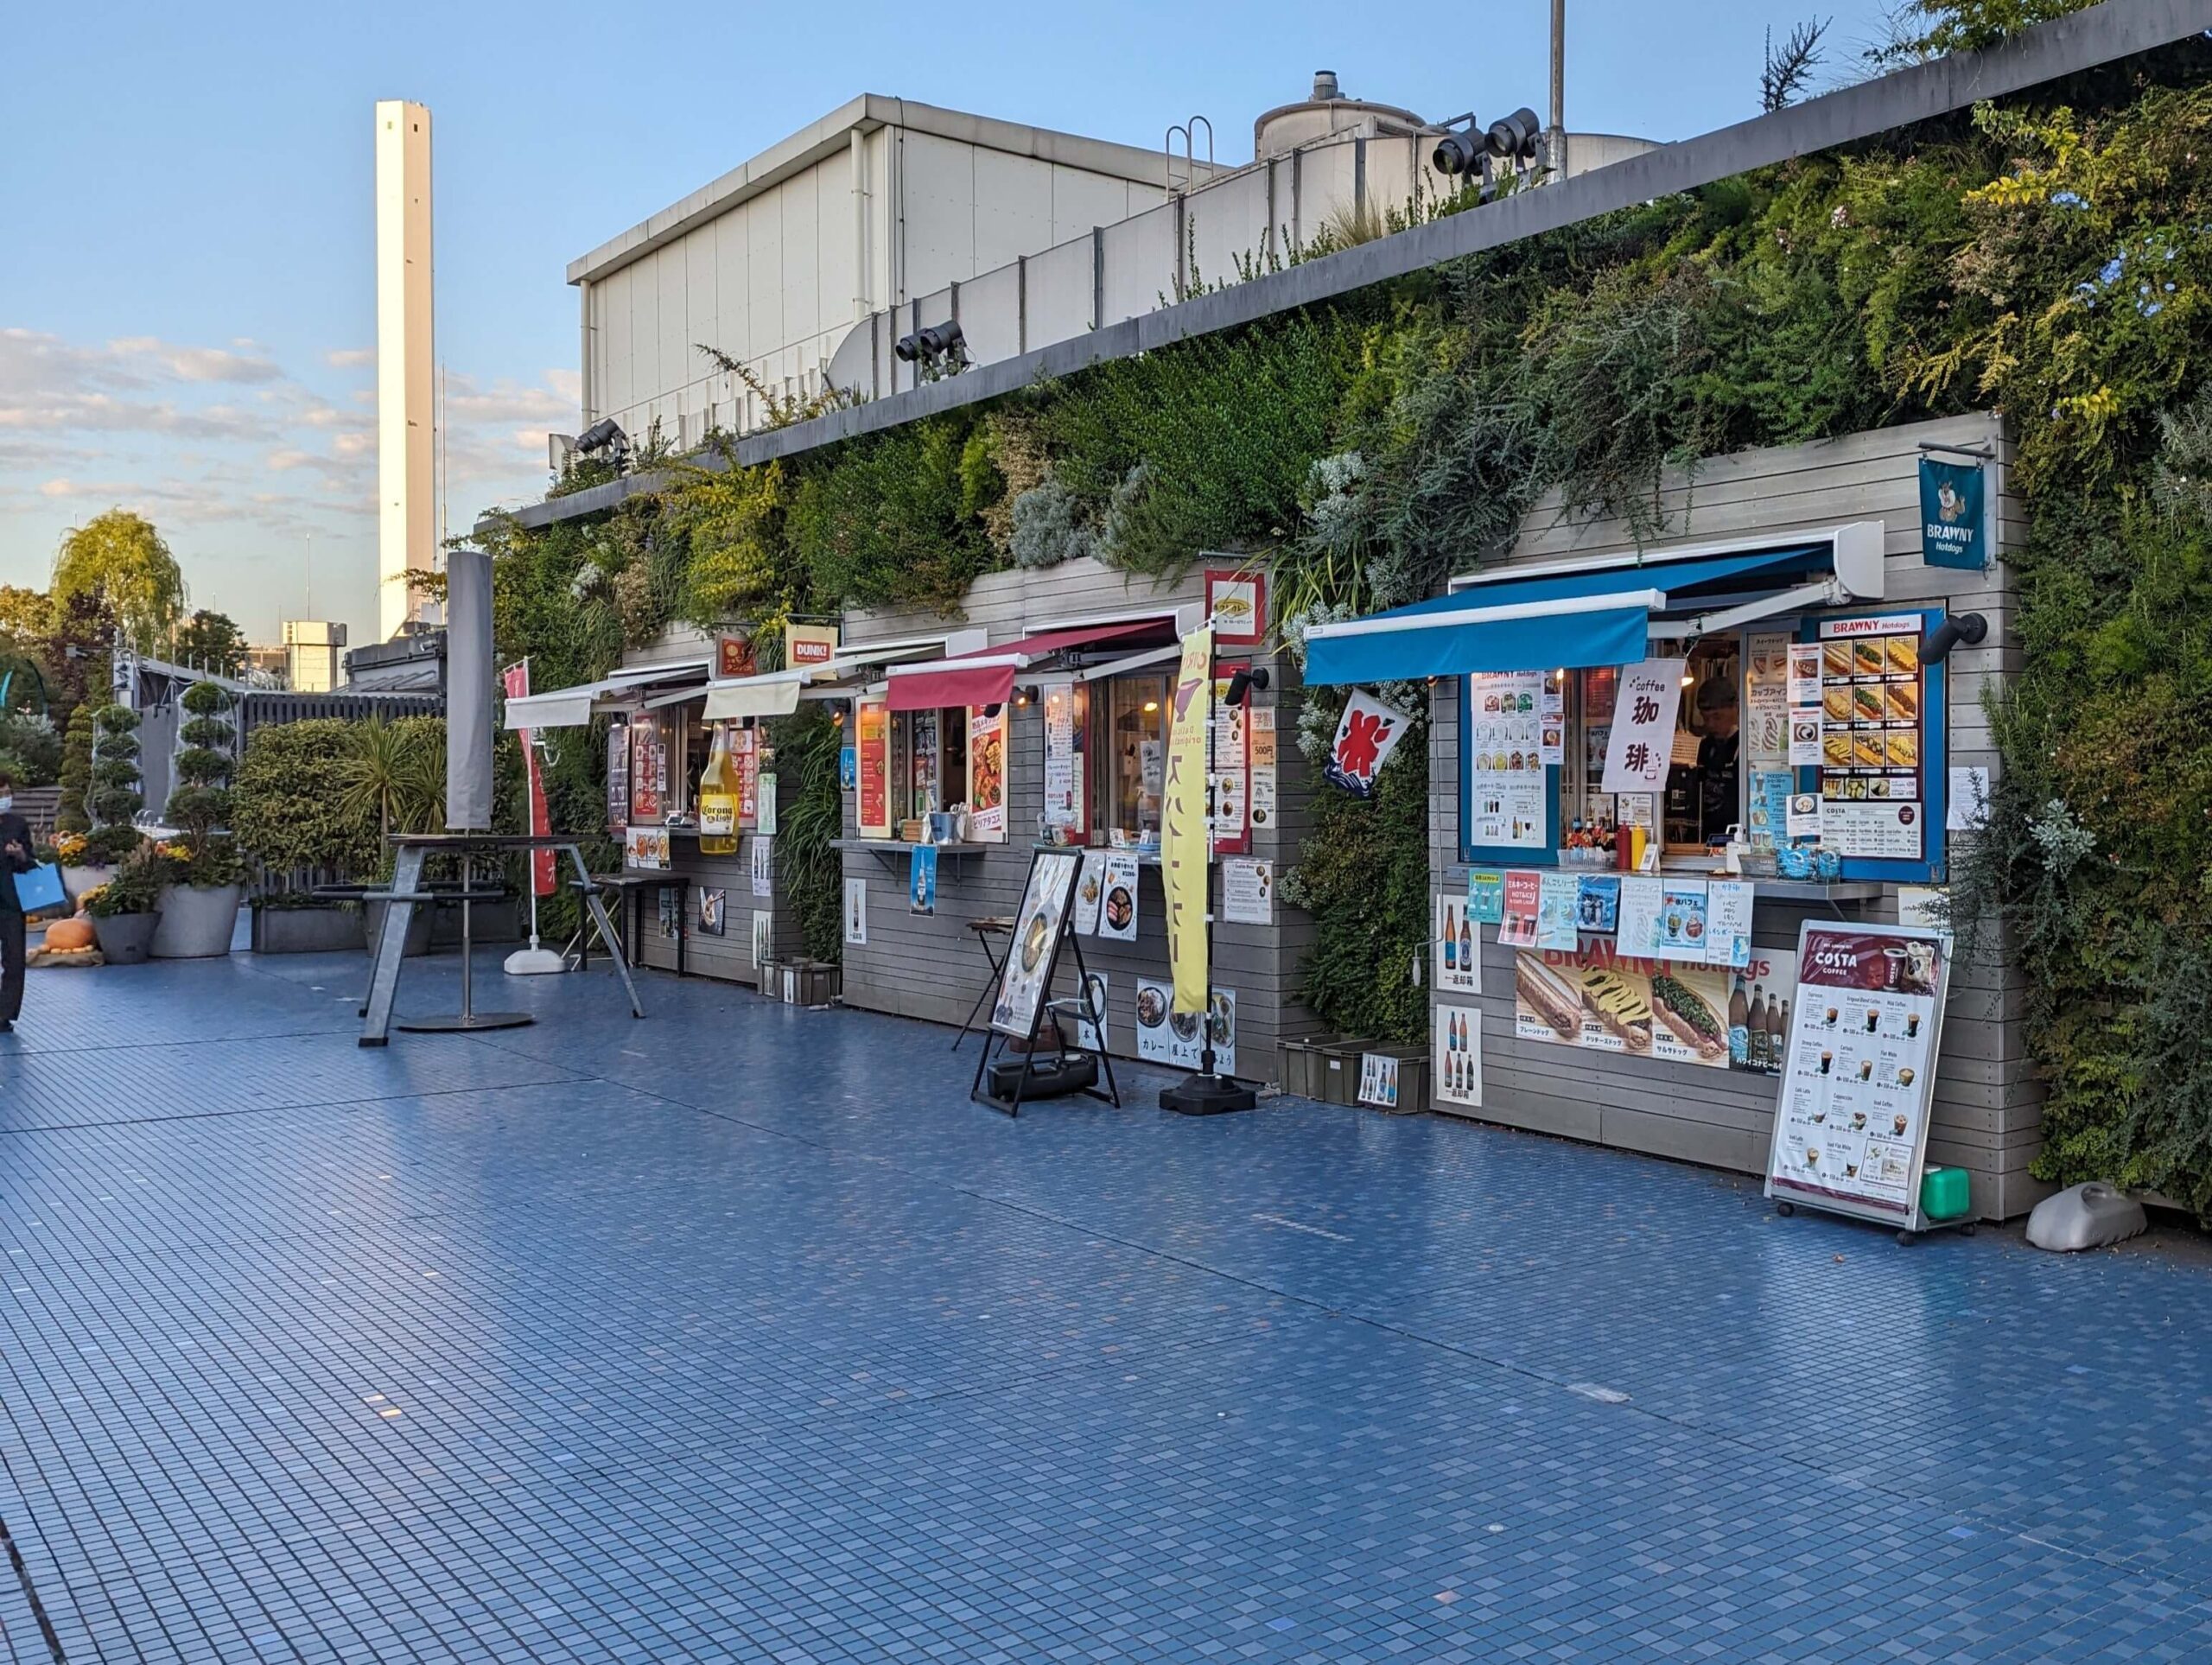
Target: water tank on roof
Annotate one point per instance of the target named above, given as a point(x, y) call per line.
point(1326, 110)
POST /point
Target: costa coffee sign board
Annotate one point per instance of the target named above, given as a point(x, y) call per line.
point(1850, 1127)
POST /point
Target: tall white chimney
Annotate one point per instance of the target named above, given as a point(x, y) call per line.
point(406, 505)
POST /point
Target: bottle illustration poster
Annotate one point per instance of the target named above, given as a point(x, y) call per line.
point(1459, 949)
point(1852, 1127)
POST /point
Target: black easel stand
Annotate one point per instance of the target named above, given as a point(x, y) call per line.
point(1012, 1103)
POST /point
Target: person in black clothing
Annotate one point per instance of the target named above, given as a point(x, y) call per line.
point(15, 858)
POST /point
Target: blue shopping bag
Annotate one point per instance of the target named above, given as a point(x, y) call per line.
point(41, 889)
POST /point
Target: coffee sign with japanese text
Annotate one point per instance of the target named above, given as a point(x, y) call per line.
point(1641, 749)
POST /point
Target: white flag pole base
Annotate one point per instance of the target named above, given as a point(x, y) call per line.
point(535, 962)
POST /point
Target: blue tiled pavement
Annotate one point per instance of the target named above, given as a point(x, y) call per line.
point(738, 1334)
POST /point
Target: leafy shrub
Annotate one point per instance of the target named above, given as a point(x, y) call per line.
point(287, 810)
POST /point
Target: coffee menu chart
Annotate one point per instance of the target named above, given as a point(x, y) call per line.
point(1871, 802)
point(1850, 1129)
point(1506, 782)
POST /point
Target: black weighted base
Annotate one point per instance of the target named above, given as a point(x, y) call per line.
point(1205, 1094)
point(460, 1022)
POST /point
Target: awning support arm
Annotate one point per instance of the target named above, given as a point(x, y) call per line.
point(1828, 593)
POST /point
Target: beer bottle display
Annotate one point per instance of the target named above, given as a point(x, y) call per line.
point(1755, 1054)
point(1450, 941)
point(1467, 947)
point(718, 798)
point(1740, 1025)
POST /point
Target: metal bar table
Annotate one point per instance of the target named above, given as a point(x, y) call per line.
point(388, 957)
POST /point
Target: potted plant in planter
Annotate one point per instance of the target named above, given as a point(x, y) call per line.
point(125, 910)
point(287, 814)
point(199, 908)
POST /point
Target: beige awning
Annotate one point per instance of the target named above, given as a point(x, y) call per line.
point(772, 693)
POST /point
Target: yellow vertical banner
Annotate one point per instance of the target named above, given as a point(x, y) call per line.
point(1183, 844)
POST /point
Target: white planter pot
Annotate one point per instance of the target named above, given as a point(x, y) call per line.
point(77, 880)
point(197, 922)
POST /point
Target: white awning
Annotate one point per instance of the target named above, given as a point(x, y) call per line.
point(571, 708)
point(564, 708)
point(772, 693)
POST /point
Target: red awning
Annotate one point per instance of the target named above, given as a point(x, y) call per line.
point(986, 676)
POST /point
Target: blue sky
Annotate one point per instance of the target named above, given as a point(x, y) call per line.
point(186, 298)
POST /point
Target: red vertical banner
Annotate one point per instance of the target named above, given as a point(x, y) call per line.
point(516, 677)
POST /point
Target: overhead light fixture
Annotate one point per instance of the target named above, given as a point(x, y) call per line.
point(1968, 627)
point(1242, 681)
point(1457, 152)
point(993, 708)
point(1151, 706)
point(1025, 695)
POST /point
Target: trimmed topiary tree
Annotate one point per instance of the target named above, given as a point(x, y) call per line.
point(74, 815)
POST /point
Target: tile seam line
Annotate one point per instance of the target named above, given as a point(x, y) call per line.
point(30, 1595)
point(2201, 1589)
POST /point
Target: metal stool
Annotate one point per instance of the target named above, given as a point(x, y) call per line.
point(986, 929)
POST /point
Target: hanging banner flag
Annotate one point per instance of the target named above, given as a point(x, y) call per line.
point(516, 677)
point(1183, 840)
point(1952, 524)
point(1366, 735)
point(745, 752)
point(921, 883)
point(1642, 748)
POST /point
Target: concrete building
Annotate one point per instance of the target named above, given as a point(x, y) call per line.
point(406, 494)
point(1328, 171)
point(314, 651)
point(807, 262)
point(776, 262)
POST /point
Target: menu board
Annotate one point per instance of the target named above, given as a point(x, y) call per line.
point(1766, 700)
point(1871, 739)
point(648, 769)
point(986, 775)
point(745, 754)
point(1063, 770)
point(871, 725)
point(1229, 775)
point(1851, 1131)
point(1505, 768)
point(618, 778)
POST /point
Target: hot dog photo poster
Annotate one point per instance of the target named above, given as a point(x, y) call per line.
point(1606, 1002)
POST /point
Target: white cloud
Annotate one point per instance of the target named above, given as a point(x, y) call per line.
point(350, 358)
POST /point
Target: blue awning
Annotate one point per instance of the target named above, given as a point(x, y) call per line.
point(1563, 621)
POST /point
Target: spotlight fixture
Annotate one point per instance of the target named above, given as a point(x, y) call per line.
point(938, 341)
point(602, 434)
point(1513, 138)
point(1242, 681)
point(993, 708)
point(1026, 696)
point(1516, 137)
point(1968, 627)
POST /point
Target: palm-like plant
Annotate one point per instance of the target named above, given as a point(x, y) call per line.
point(393, 773)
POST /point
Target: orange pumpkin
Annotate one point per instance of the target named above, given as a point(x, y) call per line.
point(68, 936)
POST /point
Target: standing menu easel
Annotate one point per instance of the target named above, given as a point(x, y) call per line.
point(1851, 1125)
point(1044, 920)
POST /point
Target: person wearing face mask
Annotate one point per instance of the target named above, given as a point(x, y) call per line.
point(15, 858)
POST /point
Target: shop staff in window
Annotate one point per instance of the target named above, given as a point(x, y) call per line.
point(1717, 759)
